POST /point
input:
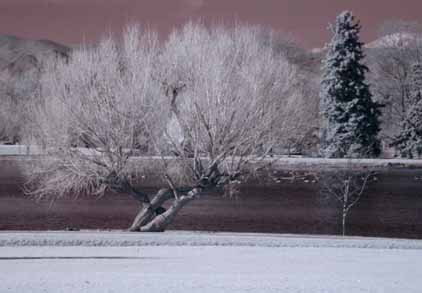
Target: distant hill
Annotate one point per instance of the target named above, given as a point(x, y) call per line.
point(403, 39)
point(394, 40)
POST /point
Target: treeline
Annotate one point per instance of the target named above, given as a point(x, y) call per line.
point(393, 78)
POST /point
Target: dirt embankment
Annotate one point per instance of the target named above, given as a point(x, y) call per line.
point(391, 207)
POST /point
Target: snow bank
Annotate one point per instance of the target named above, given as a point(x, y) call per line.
point(19, 155)
point(125, 239)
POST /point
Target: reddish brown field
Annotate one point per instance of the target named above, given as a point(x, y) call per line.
point(390, 208)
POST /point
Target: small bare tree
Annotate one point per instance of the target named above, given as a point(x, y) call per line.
point(206, 104)
point(346, 186)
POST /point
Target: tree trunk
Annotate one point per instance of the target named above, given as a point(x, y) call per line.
point(343, 223)
point(148, 211)
point(145, 215)
point(160, 222)
point(151, 219)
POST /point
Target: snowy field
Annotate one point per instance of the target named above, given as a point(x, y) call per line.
point(206, 262)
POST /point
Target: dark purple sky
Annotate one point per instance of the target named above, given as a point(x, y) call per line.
point(72, 21)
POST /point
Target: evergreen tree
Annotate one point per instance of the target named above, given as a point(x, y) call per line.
point(409, 141)
point(351, 123)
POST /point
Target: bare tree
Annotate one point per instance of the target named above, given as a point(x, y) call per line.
point(301, 110)
point(92, 118)
point(20, 64)
point(9, 121)
point(346, 186)
point(15, 92)
point(207, 104)
point(390, 62)
point(224, 93)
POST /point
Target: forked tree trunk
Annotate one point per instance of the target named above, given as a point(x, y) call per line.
point(160, 222)
point(145, 215)
point(148, 210)
point(150, 220)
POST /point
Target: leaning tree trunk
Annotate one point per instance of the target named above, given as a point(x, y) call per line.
point(149, 210)
point(145, 215)
point(153, 218)
point(161, 221)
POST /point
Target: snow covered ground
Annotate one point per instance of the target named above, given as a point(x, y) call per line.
point(26, 151)
point(207, 262)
